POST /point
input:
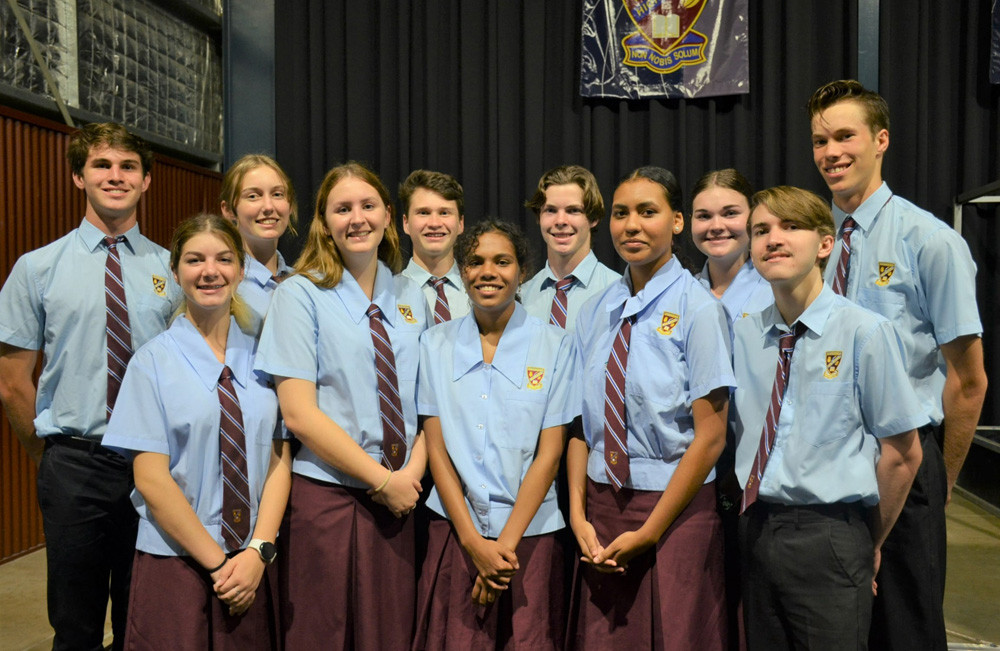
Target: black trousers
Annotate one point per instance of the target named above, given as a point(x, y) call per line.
point(908, 613)
point(90, 529)
point(807, 577)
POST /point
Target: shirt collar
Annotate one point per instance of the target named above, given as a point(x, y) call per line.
point(868, 210)
point(194, 349)
point(511, 354)
point(93, 237)
point(583, 272)
point(260, 274)
point(357, 303)
point(814, 317)
point(620, 297)
point(420, 275)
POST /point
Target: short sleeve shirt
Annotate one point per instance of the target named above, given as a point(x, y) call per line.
point(454, 290)
point(847, 387)
point(679, 351)
point(748, 293)
point(491, 414)
point(322, 336)
point(169, 404)
point(256, 289)
point(53, 301)
point(592, 278)
point(916, 271)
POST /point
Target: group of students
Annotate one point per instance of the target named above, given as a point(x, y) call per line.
point(281, 427)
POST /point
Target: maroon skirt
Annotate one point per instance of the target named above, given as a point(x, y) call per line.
point(348, 571)
point(530, 614)
point(172, 606)
point(672, 597)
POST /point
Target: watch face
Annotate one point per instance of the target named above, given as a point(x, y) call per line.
point(268, 551)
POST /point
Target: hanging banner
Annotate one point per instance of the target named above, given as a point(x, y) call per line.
point(664, 48)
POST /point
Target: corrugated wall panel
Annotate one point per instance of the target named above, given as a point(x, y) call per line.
point(38, 204)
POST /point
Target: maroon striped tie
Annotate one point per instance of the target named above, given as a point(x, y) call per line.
point(557, 313)
point(119, 333)
point(389, 406)
point(442, 312)
point(233, 458)
point(615, 431)
point(844, 263)
point(786, 346)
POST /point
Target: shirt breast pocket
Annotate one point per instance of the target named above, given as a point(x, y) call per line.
point(523, 416)
point(828, 407)
point(886, 302)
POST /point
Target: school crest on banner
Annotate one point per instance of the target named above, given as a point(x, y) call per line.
point(664, 48)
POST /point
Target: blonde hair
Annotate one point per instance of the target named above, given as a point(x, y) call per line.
point(232, 184)
point(320, 260)
point(225, 231)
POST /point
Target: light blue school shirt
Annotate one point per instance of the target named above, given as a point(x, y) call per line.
point(679, 351)
point(748, 293)
point(322, 335)
point(257, 287)
point(454, 289)
point(53, 301)
point(592, 278)
point(916, 271)
point(491, 414)
point(847, 387)
point(169, 404)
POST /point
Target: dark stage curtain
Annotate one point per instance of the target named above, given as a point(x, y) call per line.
point(488, 91)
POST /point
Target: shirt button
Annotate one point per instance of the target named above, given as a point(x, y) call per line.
point(484, 396)
point(482, 485)
point(479, 426)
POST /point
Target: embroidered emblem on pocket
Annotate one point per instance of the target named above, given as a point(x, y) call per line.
point(833, 358)
point(407, 313)
point(885, 271)
point(535, 376)
point(668, 323)
point(160, 286)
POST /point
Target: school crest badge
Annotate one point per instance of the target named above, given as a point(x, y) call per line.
point(160, 285)
point(394, 449)
point(613, 458)
point(535, 376)
point(885, 271)
point(833, 358)
point(665, 39)
point(407, 313)
point(237, 516)
point(668, 323)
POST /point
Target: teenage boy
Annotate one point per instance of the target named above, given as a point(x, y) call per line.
point(433, 207)
point(900, 261)
point(569, 206)
point(826, 445)
point(87, 301)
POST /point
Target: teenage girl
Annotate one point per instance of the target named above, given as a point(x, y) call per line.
point(341, 340)
point(720, 207)
point(193, 585)
point(642, 499)
point(495, 395)
point(258, 197)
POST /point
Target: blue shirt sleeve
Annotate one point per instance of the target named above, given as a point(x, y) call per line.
point(22, 320)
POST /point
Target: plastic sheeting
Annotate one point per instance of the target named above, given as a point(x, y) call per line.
point(126, 60)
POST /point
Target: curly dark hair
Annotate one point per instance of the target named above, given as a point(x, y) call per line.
point(469, 240)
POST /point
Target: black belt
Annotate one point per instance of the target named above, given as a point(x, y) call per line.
point(837, 510)
point(87, 444)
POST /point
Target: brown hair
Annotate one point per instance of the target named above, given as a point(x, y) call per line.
point(320, 260)
point(729, 178)
point(232, 184)
point(110, 134)
point(874, 105)
point(224, 230)
point(593, 202)
point(801, 207)
point(443, 184)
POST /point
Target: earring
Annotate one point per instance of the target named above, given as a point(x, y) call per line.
point(677, 229)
